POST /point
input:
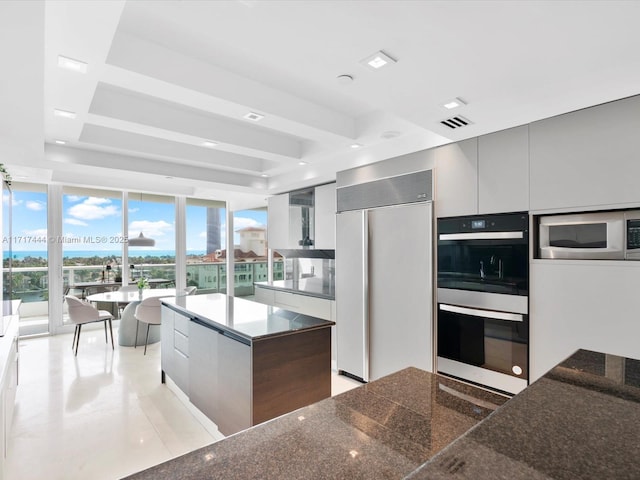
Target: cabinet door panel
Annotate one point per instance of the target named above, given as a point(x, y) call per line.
point(325, 211)
point(278, 213)
point(234, 379)
point(503, 171)
point(203, 372)
point(586, 158)
point(166, 339)
point(457, 179)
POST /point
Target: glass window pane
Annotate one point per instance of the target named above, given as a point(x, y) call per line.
point(152, 219)
point(205, 245)
point(25, 262)
point(92, 242)
point(250, 250)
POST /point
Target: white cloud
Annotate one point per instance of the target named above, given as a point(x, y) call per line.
point(93, 209)
point(73, 221)
point(15, 203)
point(73, 198)
point(35, 206)
point(149, 229)
point(96, 201)
point(133, 210)
point(40, 232)
point(202, 234)
point(243, 222)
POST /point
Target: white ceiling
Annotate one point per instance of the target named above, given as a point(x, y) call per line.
point(164, 76)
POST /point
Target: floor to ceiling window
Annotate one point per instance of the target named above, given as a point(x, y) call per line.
point(92, 241)
point(205, 244)
point(249, 249)
point(152, 238)
point(25, 241)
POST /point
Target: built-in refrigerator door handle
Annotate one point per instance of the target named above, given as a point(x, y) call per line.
point(365, 294)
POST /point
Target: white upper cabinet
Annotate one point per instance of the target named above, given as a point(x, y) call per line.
point(503, 171)
point(587, 158)
point(457, 179)
point(304, 213)
point(278, 221)
point(325, 211)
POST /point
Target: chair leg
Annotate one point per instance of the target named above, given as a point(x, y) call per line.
point(75, 334)
point(135, 342)
point(111, 330)
point(78, 340)
point(106, 339)
point(146, 340)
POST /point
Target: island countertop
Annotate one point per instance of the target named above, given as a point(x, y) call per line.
point(580, 420)
point(242, 319)
point(312, 287)
point(384, 429)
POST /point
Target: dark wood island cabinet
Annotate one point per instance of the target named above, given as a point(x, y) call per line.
point(242, 363)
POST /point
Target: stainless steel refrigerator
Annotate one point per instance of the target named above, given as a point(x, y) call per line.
point(384, 289)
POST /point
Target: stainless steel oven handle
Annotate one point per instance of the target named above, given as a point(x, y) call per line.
point(512, 317)
point(480, 236)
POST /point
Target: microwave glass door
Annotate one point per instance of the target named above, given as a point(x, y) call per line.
point(486, 265)
point(580, 235)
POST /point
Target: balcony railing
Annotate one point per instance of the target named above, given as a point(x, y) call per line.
point(31, 284)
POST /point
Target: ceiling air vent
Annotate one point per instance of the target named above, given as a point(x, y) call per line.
point(456, 122)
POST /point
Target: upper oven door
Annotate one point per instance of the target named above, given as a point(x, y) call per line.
point(582, 236)
point(486, 259)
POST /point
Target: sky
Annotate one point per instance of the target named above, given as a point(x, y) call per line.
point(95, 223)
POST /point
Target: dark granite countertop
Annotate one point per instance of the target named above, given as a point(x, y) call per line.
point(313, 287)
point(384, 429)
point(242, 318)
point(579, 421)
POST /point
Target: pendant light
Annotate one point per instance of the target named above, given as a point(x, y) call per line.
point(141, 240)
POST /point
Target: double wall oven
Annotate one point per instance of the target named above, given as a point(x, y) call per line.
point(483, 300)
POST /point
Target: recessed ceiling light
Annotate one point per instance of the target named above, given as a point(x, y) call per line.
point(64, 113)
point(302, 163)
point(71, 64)
point(344, 79)
point(355, 145)
point(264, 175)
point(60, 142)
point(377, 60)
point(254, 117)
point(455, 103)
point(209, 143)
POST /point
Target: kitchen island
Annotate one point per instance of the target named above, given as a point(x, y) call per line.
point(579, 421)
point(242, 363)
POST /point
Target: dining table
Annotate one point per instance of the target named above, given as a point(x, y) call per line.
point(102, 286)
point(128, 321)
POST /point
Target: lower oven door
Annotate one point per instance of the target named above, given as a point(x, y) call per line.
point(482, 346)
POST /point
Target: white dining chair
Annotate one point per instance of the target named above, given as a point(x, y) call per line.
point(190, 290)
point(81, 313)
point(148, 311)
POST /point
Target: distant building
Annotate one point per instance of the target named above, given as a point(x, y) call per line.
point(253, 239)
point(213, 230)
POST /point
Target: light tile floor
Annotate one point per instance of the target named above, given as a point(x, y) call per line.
point(101, 415)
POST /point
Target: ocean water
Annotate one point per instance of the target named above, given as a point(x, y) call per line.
point(20, 255)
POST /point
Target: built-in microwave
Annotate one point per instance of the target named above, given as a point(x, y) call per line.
point(612, 235)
